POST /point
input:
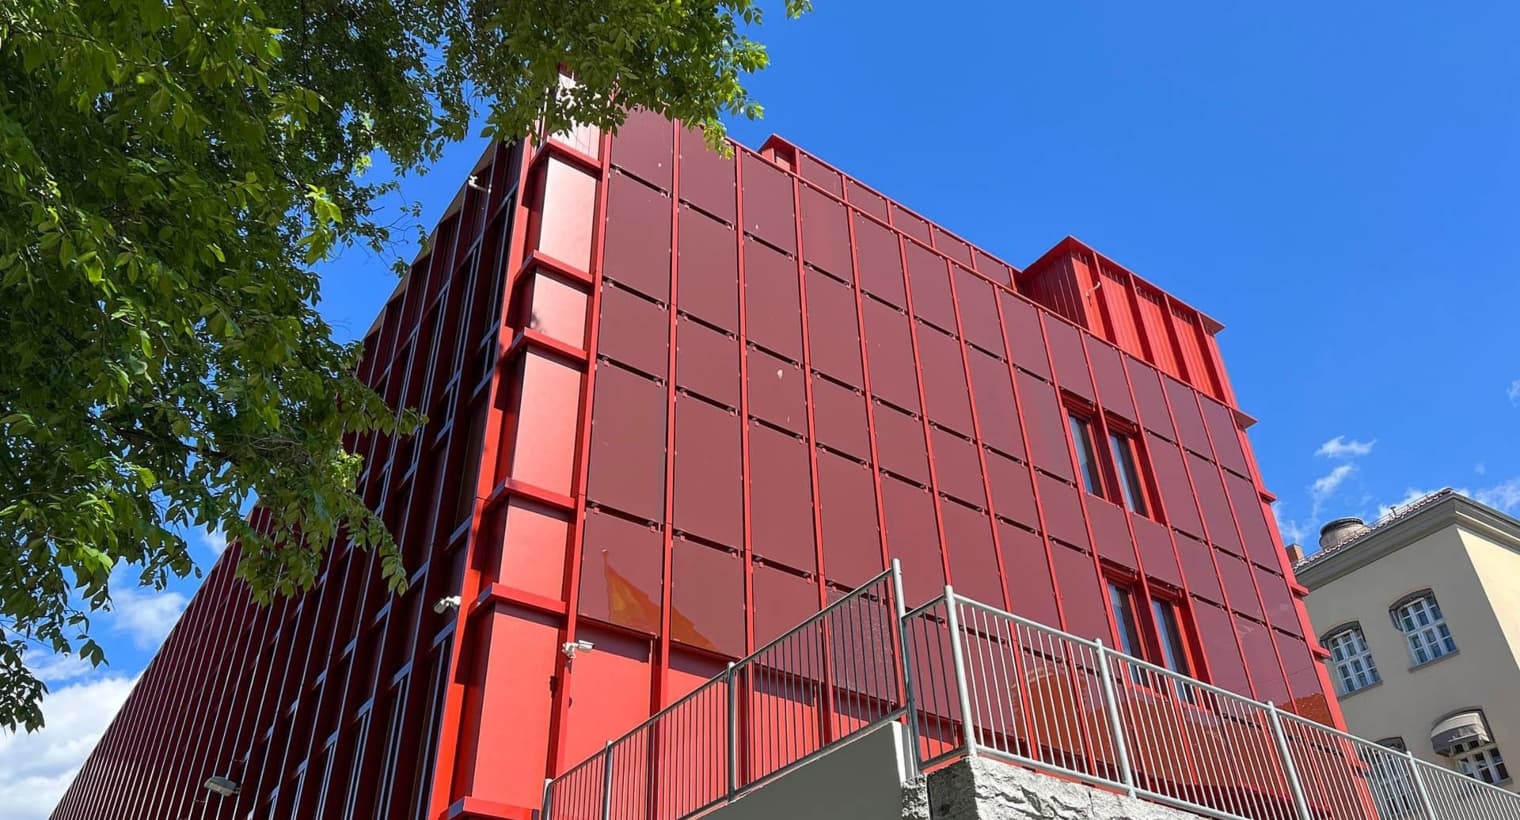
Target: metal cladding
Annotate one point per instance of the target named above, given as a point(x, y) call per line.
point(677, 402)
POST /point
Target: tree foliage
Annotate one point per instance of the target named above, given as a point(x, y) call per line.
point(170, 173)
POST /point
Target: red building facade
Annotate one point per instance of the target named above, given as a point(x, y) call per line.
point(677, 402)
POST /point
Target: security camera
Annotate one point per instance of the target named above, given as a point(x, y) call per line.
point(223, 786)
point(474, 182)
point(447, 603)
point(571, 647)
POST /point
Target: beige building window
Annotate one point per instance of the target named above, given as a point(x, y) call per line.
point(1466, 739)
point(1424, 627)
point(1351, 659)
point(1481, 762)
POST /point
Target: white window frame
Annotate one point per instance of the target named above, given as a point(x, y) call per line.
point(1481, 761)
point(1424, 628)
point(1352, 659)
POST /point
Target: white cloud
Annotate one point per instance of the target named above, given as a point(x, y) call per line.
point(1326, 485)
point(1514, 392)
point(36, 768)
point(56, 669)
point(1480, 468)
point(143, 614)
point(215, 541)
point(1504, 496)
point(1292, 531)
point(1339, 447)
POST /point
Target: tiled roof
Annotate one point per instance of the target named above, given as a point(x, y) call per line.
point(1397, 514)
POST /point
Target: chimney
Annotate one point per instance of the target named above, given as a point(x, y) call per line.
point(1295, 553)
point(1340, 531)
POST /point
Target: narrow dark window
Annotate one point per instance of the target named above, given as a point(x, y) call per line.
point(1173, 651)
point(1123, 602)
point(1087, 454)
point(1127, 466)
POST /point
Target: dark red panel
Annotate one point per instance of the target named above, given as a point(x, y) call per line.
point(847, 498)
point(900, 444)
point(782, 601)
point(776, 392)
point(973, 557)
point(1251, 514)
point(769, 211)
point(707, 362)
point(1185, 414)
point(620, 573)
point(867, 200)
point(1216, 506)
point(1063, 510)
point(978, 306)
point(889, 353)
point(839, 419)
point(1111, 531)
point(637, 244)
point(1086, 615)
point(1021, 329)
point(879, 260)
point(1217, 634)
point(1152, 400)
point(1066, 352)
point(708, 279)
point(781, 499)
point(992, 268)
point(1108, 372)
point(952, 247)
point(1198, 568)
point(929, 280)
point(772, 306)
point(707, 179)
point(708, 473)
point(1172, 479)
point(1261, 660)
point(1028, 575)
point(642, 147)
point(996, 413)
point(627, 465)
point(634, 331)
point(1012, 494)
point(834, 341)
point(909, 224)
point(1307, 698)
point(821, 175)
point(1236, 575)
point(1156, 550)
point(825, 234)
point(944, 380)
point(913, 538)
point(707, 598)
point(1279, 600)
point(1046, 420)
point(1224, 435)
point(957, 468)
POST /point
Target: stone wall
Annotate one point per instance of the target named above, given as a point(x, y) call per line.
point(979, 789)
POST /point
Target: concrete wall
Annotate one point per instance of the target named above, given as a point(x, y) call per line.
point(978, 789)
point(861, 780)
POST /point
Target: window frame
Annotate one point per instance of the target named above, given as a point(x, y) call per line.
point(1339, 666)
point(1432, 639)
point(1144, 598)
point(1133, 492)
point(1095, 438)
point(1083, 432)
point(1476, 757)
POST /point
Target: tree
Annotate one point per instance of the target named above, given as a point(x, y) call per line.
point(169, 174)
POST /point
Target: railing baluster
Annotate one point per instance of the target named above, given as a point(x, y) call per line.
point(1419, 785)
point(1111, 706)
point(607, 782)
point(957, 655)
point(1300, 803)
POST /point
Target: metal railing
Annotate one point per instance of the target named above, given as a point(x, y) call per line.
point(970, 680)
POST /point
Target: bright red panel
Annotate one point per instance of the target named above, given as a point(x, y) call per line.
point(944, 380)
point(1215, 504)
point(782, 601)
point(1156, 550)
point(1279, 600)
point(900, 444)
point(1012, 494)
point(1063, 510)
point(952, 247)
point(929, 281)
point(533, 544)
point(1217, 634)
point(1046, 422)
point(621, 572)
point(634, 331)
point(1305, 692)
point(1236, 575)
point(833, 335)
point(1028, 575)
point(642, 147)
point(564, 221)
point(1066, 352)
point(1021, 330)
point(707, 362)
point(1110, 527)
point(781, 499)
point(708, 473)
point(839, 419)
point(609, 691)
point(558, 309)
point(1189, 420)
point(518, 656)
point(1172, 480)
point(772, 306)
point(707, 179)
point(776, 392)
point(1198, 568)
point(1081, 594)
point(1225, 436)
point(627, 466)
point(706, 598)
point(847, 500)
point(636, 251)
point(913, 539)
point(973, 558)
point(910, 224)
point(879, 260)
point(978, 308)
point(825, 234)
point(997, 414)
point(1261, 660)
point(957, 468)
point(889, 354)
point(769, 211)
point(1148, 394)
point(1252, 515)
point(1108, 372)
point(544, 438)
point(707, 280)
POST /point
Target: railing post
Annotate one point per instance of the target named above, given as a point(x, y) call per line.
point(1111, 704)
point(957, 655)
point(900, 616)
point(1295, 785)
point(1419, 785)
point(543, 811)
point(733, 731)
point(607, 782)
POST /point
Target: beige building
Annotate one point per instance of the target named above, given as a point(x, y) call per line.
point(1421, 615)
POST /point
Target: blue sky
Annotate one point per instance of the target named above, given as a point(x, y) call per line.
point(1334, 182)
